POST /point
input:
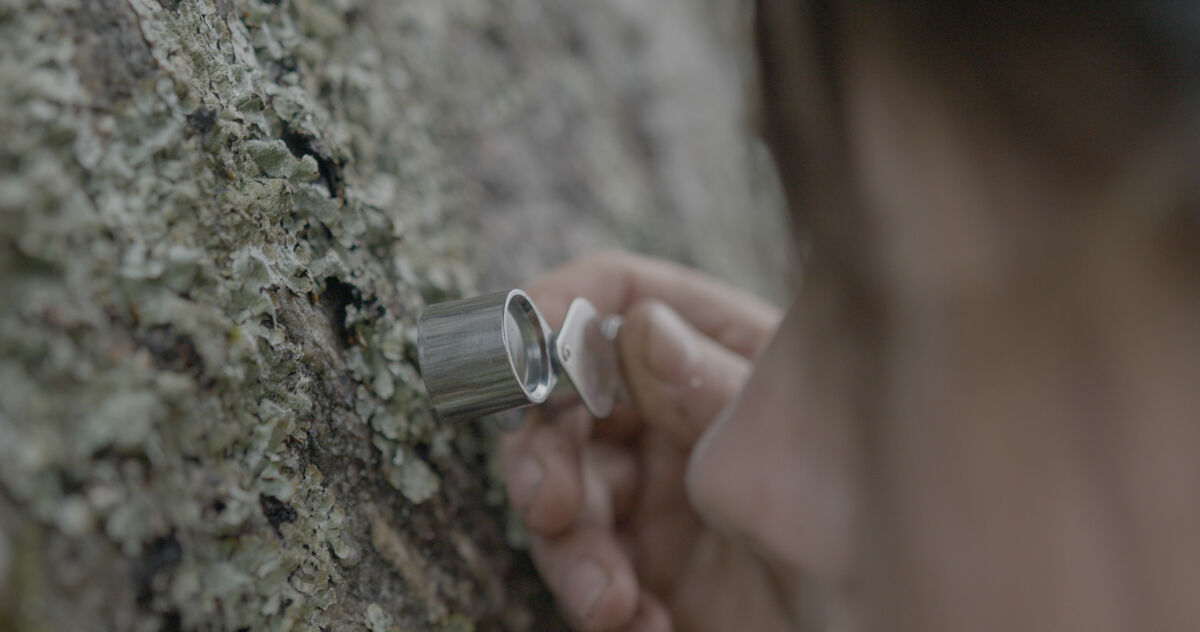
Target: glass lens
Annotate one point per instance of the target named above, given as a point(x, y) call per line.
point(516, 347)
point(524, 342)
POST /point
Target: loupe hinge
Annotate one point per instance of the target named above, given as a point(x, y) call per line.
point(585, 351)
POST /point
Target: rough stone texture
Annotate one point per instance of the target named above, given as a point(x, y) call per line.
point(219, 220)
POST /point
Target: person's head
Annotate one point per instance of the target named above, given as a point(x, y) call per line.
point(891, 119)
point(997, 204)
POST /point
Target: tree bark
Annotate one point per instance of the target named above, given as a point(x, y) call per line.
point(219, 221)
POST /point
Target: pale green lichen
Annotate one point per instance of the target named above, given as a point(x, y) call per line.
point(407, 472)
point(377, 619)
point(219, 220)
point(274, 157)
point(149, 243)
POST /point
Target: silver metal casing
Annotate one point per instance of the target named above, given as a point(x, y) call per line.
point(484, 355)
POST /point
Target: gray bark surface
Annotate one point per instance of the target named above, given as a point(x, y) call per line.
point(219, 221)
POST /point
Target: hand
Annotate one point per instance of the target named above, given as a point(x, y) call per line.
point(611, 528)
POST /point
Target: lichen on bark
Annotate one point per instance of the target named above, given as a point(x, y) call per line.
point(219, 220)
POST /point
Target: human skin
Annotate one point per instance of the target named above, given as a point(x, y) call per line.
point(611, 527)
point(990, 424)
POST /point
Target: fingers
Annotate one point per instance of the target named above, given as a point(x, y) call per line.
point(618, 605)
point(570, 486)
point(577, 487)
point(589, 576)
point(541, 466)
point(614, 281)
point(679, 378)
point(570, 512)
point(541, 462)
point(615, 471)
point(585, 566)
point(651, 616)
point(546, 468)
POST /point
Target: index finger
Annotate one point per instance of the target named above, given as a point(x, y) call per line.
point(615, 280)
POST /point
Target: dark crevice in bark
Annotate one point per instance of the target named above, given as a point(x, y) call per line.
point(202, 121)
point(277, 512)
point(171, 350)
point(329, 171)
point(336, 298)
point(171, 622)
point(158, 556)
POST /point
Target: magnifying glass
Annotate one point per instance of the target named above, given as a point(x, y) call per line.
point(495, 353)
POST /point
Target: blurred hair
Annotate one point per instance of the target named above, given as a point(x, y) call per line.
point(1075, 83)
point(1074, 80)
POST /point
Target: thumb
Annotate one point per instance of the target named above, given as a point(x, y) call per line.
point(679, 379)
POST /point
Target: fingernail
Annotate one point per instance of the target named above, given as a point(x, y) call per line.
point(526, 477)
point(672, 346)
point(585, 584)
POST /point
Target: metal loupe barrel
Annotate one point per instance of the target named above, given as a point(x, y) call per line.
point(484, 355)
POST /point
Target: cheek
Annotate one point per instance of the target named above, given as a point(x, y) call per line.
point(775, 472)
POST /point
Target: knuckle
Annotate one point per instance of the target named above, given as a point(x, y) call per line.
point(639, 316)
